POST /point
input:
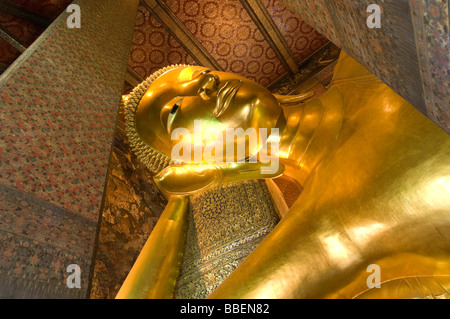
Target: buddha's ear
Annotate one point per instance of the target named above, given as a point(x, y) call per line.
point(292, 99)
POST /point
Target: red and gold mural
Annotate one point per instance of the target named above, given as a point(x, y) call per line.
point(229, 34)
point(154, 47)
point(302, 39)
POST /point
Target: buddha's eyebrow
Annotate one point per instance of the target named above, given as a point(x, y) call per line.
point(195, 74)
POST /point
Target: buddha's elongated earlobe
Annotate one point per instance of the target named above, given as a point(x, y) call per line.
point(291, 99)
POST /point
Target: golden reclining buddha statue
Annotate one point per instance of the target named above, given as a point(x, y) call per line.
point(375, 174)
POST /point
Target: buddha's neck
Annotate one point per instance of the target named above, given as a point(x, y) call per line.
point(310, 132)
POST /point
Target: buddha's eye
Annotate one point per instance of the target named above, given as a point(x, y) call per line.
point(175, 107)
point(172, 113)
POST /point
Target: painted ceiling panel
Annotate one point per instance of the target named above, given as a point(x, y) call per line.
point(26, 31)
point(153, 47)
point(47, 8)
point(7, 53)
point(228, 33)
point(224, 28)
point(301, 38)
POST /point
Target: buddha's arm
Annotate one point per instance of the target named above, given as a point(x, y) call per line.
point(156, 270)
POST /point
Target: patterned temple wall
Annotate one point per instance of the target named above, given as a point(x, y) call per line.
point(59, 102)
point(132, 206)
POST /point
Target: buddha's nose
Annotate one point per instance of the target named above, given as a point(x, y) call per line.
point(209, 86)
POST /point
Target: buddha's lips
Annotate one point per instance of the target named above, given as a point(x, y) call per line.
point(225, 95)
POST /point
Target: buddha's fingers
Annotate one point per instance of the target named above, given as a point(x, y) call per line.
point(193, 178)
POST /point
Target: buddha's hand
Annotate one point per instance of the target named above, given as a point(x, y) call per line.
point(190, 179)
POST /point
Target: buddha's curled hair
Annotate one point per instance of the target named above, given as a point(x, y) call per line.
point(155, 160)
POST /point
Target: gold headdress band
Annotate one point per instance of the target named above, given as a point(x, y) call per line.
point(155, 160)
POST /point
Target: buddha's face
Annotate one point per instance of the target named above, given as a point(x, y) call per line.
point(221, 100)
